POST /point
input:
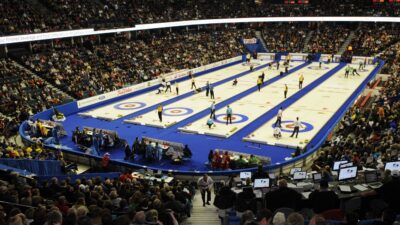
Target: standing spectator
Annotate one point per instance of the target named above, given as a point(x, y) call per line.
point(205, 184)
point(127, 150)
point(105, 161)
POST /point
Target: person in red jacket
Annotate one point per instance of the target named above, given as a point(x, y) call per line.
point(105, 161)
point(216, 161)
point(225, 161)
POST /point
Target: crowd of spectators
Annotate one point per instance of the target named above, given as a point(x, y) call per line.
point(367, 136)
point(35, 151)
point(20, 17)
point(391, 55)
point(372, 40)
point(23, 94)
point(327, 39)
point(124, 200)
point(74, 14)
point(287, 37)
point(120, 61)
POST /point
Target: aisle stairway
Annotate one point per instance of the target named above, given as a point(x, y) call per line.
point(261, 39)
point(47, 83)
point(202, 215)
point(306, 40)
point(346, 43)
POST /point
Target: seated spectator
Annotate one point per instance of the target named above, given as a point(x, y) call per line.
point(224, 200)
point(174, 154)
point(279, 219)
point(248, 217)
point(264, 216)
point(246, 200)
point(388, 217)
point(331, 200)
point(283, 197)
point(187, 153)
point(295, 219)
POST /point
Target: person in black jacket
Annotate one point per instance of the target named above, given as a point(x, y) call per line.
point(330, 198)
point(259, 174)
point(225, 198)
point(389, 192)
point(135, 147)
point(246, 200)
point(127, 150)
point(283, 197)
point(187, 153)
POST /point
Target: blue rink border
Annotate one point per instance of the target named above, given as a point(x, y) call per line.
point(315, 143)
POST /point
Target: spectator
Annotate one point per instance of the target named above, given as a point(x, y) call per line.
point(295, 219)
point(264, 216)
point(283, 197)
point(331, 200)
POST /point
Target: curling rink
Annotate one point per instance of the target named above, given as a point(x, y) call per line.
point(250, 107)
point(185, 108)
point(314, 110)
point(134, 104)
point(323, 98)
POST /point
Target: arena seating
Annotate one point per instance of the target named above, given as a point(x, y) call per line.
point(368, 135)
point(75, 14)
point(371, 41)
point(109, 66)
point(24, 94)
point(328, 39)
point(285, 37)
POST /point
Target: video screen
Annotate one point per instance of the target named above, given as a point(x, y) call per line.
point(336, 164)
point(370, 177)
point(347, 173)
point(317, 177)
point(293, 170)
point(261, 183)
point(299, 175)
point(344, 165)
point(245, 175)
point(392, 166)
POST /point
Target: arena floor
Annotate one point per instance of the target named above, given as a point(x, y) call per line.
point(319, 103)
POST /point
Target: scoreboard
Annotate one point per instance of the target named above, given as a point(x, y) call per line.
point(296, 2)
point(386, 1)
